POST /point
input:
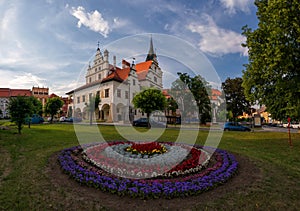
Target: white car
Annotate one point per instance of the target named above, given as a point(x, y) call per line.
point(285, 125)
point(295, 125)
point(62, 119)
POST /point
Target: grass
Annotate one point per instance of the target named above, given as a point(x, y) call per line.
point(24, 184)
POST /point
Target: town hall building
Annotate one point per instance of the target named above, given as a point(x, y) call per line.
point(116, 86)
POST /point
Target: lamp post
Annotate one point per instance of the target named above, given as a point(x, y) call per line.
point(128, 82)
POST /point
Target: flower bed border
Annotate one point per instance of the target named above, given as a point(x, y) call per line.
point(156, 188)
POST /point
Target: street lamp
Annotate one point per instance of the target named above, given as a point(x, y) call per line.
point(128, 82)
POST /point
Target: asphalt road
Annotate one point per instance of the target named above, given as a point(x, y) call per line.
point(280, 129)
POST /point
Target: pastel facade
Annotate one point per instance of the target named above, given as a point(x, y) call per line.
point(116, 86)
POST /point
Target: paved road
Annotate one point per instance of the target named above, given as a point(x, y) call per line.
point(280, 129)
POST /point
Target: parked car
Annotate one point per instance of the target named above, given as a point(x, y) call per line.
point(295, 125)
point(62, 119)
point(35, 119)
point(54, 119)
point(143, 122)
point(235, 126)
point(73, 119)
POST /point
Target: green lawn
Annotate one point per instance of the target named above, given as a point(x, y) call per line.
point(24, 185)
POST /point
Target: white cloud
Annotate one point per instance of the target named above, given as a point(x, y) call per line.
point(93, 21)
point(233, 5)
point(217, 41)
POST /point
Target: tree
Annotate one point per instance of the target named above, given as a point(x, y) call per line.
point(53, 105)
point(272, 75)
point(92, 106)
point(171, 105)
point(37, 107)
point(149, 100)
point(192, 94)
point(20, 108)
point(235, 98)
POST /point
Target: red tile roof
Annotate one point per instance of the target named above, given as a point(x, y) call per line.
point(4, 92)
point(216, 92)
point(142, 69)
point(53, 95)
point(7, 92)
point(117, 74)
point(122, 74)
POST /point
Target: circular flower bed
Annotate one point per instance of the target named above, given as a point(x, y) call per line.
point(148, 170)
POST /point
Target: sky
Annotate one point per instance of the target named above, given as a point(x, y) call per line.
point(49, 43)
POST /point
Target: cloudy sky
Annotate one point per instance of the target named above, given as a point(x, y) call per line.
point(49, 43)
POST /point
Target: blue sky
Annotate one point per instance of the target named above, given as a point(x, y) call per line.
point(49, 43)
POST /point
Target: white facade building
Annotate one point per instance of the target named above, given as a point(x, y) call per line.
point(116, 86)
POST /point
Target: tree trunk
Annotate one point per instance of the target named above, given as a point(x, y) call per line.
point(148, 120)
point(19, 127)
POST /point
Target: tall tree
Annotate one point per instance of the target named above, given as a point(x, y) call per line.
point(92, 106)
point(272, 76)
point(236, 101)
point(53, 105)
point(149, 100)
point(37, 107)
point(192, 94)
point(19, 108)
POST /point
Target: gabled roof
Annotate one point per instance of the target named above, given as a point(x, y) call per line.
point(142, 69)
point(117, 74)
point(216, 92)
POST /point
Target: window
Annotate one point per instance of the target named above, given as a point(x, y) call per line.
point(98, 93)
point(83, 98)
point(126, 94)
point(106, 93)
point(90, 79)
point(78, 99)
point(133, 82)
point(99, 76)
point(118, 92)
point(118, 110)
point(90, 96)
point(155, 79)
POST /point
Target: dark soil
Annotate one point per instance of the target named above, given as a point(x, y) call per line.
point(70, 195)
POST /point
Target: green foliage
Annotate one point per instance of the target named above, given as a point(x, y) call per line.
point(53, 106)
point(236, 101)
point(25, 171)
point(192, 94)
point(171, 105)
point(272, 76)
point(149, 100)
point(19, 108)
point(37, 107)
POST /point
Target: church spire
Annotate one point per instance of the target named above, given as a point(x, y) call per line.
point(151, 54)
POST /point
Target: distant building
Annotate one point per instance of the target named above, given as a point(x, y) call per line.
point(64, 109)
point(5, 94)
point(41, 93)
point(116, 86)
